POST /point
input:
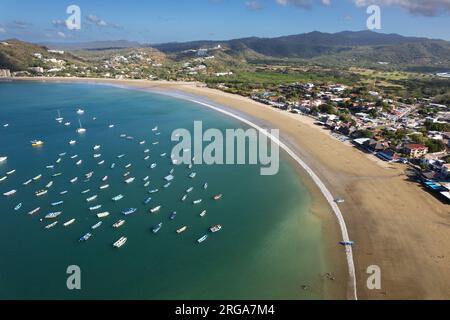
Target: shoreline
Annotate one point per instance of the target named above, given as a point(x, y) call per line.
point(394, 223)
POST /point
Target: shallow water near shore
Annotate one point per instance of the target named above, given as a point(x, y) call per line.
point(269, 247)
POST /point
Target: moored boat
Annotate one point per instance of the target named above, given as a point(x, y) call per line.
point(197, 201)
point(10, 193)
point(169, 178)
point(103, 214)
point(202, 238)
point(40, 193)
point(37, 143)
point(156, 228)
point(129, 211)
point(118, 197)
point(130, 180)
point(90, 199)
point(119, 243)
point(34, 211)
point(58, 203)
point(85, 237)
point(10, 172)
point(147, 201)
point(184, 197)
point(53, 215)
point(2, 159)
point(17, 208)
point(97, 207)
point(27, 182)
point(103, 187)
point(74, 180)
point(173, 215)
point(215, 228)
point(155, 209)
point(192, 175)
point(203, 213)
point(37, 177)
point(218, 197)
point(51, 225)
point(3, 178)
point(97, 225)
point(153, 191)
point(49, 185)
point(181, 230)
point(118, 224)
point(68, 223)
point(190, 190)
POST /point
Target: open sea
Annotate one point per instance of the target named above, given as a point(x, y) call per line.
point(269, 247)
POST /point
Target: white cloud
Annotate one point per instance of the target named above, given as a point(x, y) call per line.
point(61, 34)
point(2, 30)
point(253, 5)
point(326, 2)
point(297, 3)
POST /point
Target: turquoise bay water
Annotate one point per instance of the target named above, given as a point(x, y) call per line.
point(270, 244)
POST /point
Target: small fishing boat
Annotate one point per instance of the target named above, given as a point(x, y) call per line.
point(103, 187)
point(105, 178)
point(146, 150)
point(155, 209)
point(97, 155)
point(59, 118)
point(97, 207)
point(184, 197)
point(63, 192)
point(97, 225)
point(97, 147)
point(74, 156)
point(155, 129)
point(68, 223)
point(190, 190)
point(80, 111)
point(130, 180)
point(58, 160)
point(74, 180)
point(167, 184)
point(117, 198)
point(51, 225)
point(156, 228)
point(153, 191)
point(2, 159)
point(37, 177)
point(111, 126)
point(146, 158)
point(197, 201)
point(72, 142)
point(147, 201)
point(173, 215)
point(17, 208)
point(53, 215)
point(67, 124)
point(147, 184)
point(41, 193)
point(181, 230)
point(129, 211)
point(126, 174)
point(34, 211)
point(205, 186)
point(89, 175)
point(119, 243)
point(50, 167)
point(218, 197)
point(153, 166)
point(123, 135)
point(37, 143)
point(57, 203)
point(202, 238)
point(6, 125)
point(103, 214)
point(11, 172)
point(169, 178)
point(120, 156)
point(113, 165)
point(128, 166)
point(163, 155)
point(27, 182)
point(85, 237)
point(118, 224)
point(130, 138)
point(3, 178)
point(81, 130)
point(10, 193)
point(79, 162)
point(192, 175)
point(203, 213)
point(215, 228)
point(146, 178)
point(90, 199)
point(57, 174)
point(85, 191)
point(101, 162)
point(142, 142)
point(62, 154)
point(172, 171)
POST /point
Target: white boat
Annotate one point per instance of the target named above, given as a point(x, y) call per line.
point(129, 180)
point(203, 213)
point(62, 154)
point(192, 175)
point(128, 166)
point(146, 158)
point(6, 125)
point(37, 143)
point(105, 178)
point(74, 180)
point(72, 142)
point(37, 177)
point(68, 223)
point(118, 197)
point(40, 193)
point(111, 126)
point(50, 167)
point(147, 184)
point(146, 150)
point(169, 178)
point(10, 172)
point(184, 197)
point(27, 182)
point(67, 124)
point(3, 178)
point(118, 224)
point(153, 191)
point(51, 225)
point(89, 174)
point(120, 156)
point(79, 162)
point(49, 185)
point(63, 192)
point(80, 111)
point(53, 215)
point(197, 201)
point(153, 165)
point(2, 159)
point(155, 128)
point(190, 190)
point(181, 230)
point(95, 207)
point(93, 198)
point(205, 186)
point(123, 135)
point(97, 225)
point(202, 238)
point(167, 185)
point(155, 209)
point(146, 178)
point(103, 214)
point(81, 129)
point(119, 243)
point(74, 156)
point(103, 187)
point(10, 193)
point(86, 191)
point(142, 142)
point(59, 118)
point(101, 162)
point(215, 228)
point(155, 143)
point(97, 147)
point(58, 160)
point(126, 174)
point(34, 211)
point(97, 155)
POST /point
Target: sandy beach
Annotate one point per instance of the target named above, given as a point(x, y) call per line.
point(395, 224)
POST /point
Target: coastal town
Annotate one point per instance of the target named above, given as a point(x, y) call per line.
point(409, 131)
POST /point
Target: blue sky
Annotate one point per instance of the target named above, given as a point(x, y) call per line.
point(155, 21)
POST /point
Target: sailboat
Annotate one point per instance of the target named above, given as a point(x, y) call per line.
point(81, 129)
point(59, 119)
